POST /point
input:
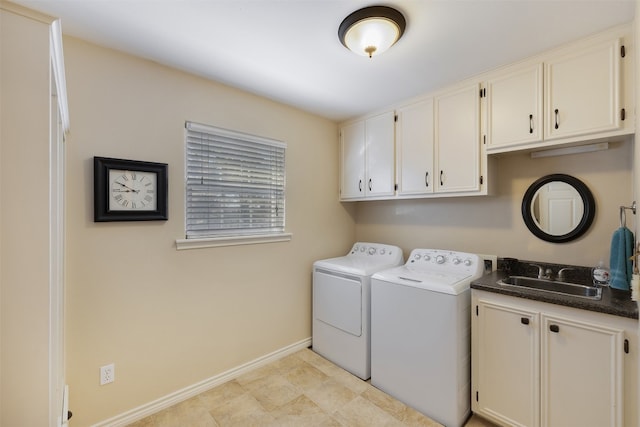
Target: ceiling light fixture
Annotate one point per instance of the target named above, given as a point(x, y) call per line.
point(371, 30)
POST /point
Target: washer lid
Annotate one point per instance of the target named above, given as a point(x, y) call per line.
point(356, 265)
point(446, 283)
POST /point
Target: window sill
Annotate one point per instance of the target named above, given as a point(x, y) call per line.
point(214, 242)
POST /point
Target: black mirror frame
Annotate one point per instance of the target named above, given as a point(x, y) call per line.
point(587, 216)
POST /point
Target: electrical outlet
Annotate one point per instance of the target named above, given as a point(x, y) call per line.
point(490, 262)
point(107, 374)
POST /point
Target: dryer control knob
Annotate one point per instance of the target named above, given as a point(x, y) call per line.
point(440, 259)
point(456, 261)
point(416, 257)
point(372, 251)
point(383, 251)
point(427, 257)
point(468, 262)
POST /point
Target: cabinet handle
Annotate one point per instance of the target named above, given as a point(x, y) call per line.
point(524, 320)
point(554, 328)
point(360, 186)
point(530, 123)
point(441, 183)
point(369, 184)
point(426, 179)
point(556, 111)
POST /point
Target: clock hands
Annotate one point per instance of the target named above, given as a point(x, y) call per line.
point(128, 189)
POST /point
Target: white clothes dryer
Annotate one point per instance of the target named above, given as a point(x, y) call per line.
point(421, 333)
point(342, 301)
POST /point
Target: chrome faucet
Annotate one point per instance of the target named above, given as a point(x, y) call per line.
point(561, 273)
point(542, 273)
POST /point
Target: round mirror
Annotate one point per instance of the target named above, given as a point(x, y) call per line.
point(558, 208)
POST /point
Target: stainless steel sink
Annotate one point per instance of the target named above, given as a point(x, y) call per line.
point(573, 289)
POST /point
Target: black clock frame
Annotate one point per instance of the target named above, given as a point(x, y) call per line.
point(101, 193)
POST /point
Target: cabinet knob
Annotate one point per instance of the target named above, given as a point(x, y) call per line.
point(554, 328)
point(524, 320)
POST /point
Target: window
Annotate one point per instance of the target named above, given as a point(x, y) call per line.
point(235, 183)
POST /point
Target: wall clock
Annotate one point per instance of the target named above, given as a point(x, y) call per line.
point(129, 190)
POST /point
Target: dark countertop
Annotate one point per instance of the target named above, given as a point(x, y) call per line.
point(613, 301)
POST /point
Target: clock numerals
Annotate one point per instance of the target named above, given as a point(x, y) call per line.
point(131, 190)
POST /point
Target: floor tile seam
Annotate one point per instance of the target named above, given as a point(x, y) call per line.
point(299, 392)
point(220, 422)
point(373, 402)
point(201, 398)
point(334, 408)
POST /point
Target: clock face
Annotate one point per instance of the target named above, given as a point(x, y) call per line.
point(132, 190)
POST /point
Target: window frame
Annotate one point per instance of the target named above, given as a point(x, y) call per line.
point(195, 130)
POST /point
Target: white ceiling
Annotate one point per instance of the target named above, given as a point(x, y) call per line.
point(288, 50)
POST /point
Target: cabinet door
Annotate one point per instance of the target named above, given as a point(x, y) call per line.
point(352, 144)
point(581, 382)
point(506, 364)
point(414, 148)
point(457, 140)
point(379, 152)
point(514, 110)
point(582, 91)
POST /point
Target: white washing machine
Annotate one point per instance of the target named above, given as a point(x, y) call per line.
point(421, 332)
point(342, 301)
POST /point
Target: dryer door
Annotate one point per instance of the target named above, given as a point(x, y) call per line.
point(337, 300)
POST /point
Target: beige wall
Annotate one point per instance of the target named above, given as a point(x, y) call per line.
point(169, 319)
point(493, 225)
point(24, 220)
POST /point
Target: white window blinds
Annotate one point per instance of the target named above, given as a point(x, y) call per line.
point(235, 183)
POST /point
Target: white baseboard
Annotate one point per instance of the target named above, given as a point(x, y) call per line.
point(188, 392)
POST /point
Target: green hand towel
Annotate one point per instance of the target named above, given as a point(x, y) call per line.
point(620, 263)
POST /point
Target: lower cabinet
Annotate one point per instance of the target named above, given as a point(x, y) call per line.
point(506, 363)
point(538, 364)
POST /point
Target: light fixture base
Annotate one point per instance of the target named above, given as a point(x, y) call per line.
point(372, 30)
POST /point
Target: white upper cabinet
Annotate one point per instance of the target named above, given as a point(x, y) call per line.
point(379, 152)
point(514, 107)
point(457, 139)
point(352, 145)
point(414, 148)
point(587, 91)
point(367, 158)
point(582, 91)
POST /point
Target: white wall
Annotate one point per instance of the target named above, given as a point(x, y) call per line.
point(169, 319)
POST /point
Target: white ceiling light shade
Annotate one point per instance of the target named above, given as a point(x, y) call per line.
point(371, 30)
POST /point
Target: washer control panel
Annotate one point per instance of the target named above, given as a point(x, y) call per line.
point(372, 250)
point(437, 259)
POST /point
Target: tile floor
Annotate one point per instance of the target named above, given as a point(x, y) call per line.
point(302, 389)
